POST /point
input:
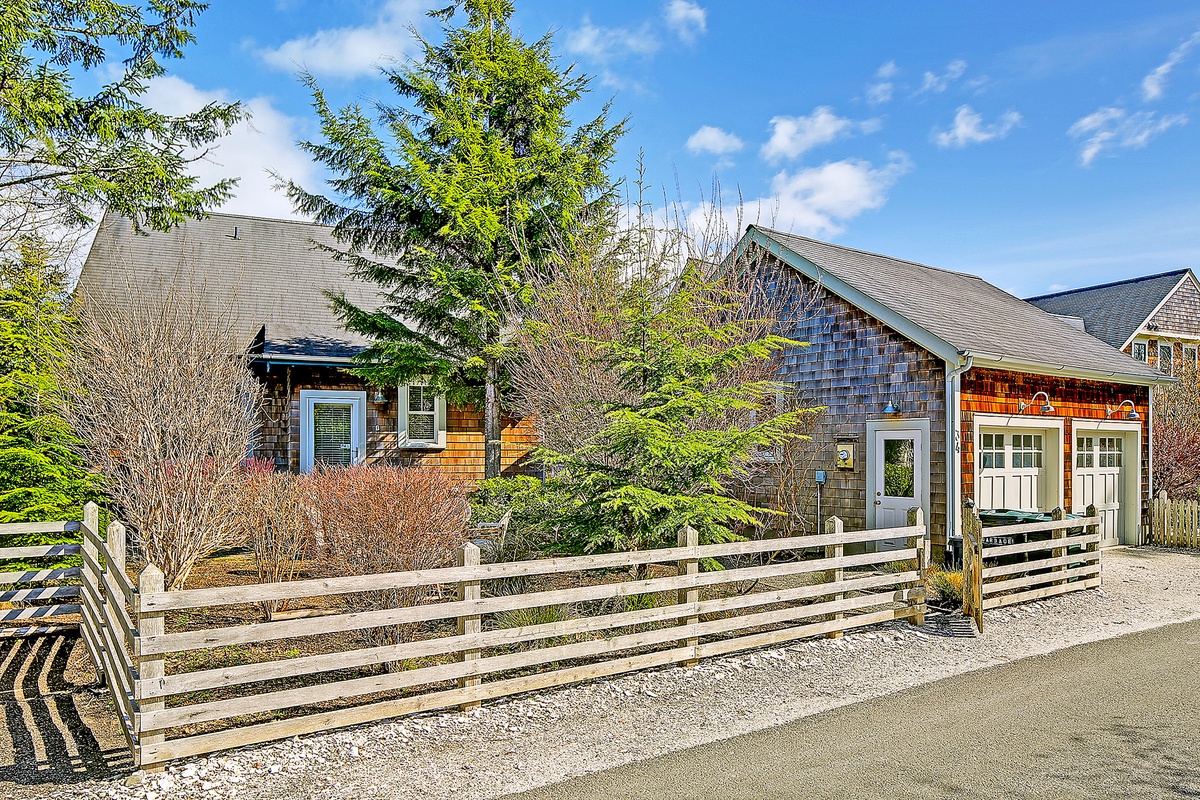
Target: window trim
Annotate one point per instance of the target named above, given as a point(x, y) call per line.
point(1166, 365)
point(439, 416)
point(1143, 357)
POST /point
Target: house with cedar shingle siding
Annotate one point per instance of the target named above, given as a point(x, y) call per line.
point(941, 389)
point(1156, 318)
point(268, 278)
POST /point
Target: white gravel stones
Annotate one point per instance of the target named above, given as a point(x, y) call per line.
point(518, 743)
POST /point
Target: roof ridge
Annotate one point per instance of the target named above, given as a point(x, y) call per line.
point(767, 230)
point(229, 215)
point(1111, 284)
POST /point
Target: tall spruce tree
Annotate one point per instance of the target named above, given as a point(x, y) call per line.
point(447, 197)
point(41, 477)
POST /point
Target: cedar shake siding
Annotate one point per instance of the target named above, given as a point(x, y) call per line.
point(854, 365)
point(279, 439)
point(986, 391)
point(1179, 315)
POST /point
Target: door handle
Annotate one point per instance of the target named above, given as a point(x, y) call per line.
point(878, 502)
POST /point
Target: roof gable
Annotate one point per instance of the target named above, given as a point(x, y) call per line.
point(1115, 312)
point(269, 275)
point(954, 314)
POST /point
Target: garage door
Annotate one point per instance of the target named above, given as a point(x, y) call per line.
point(1099, 459)
point(1010, 469)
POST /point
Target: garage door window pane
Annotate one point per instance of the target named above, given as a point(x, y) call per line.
point(1084, 457)
point(991, 451)
point(899, 468)
point(1110, 451)
point(1027, 450)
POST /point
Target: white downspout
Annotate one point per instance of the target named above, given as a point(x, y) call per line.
point(954, 447)
point(1150, 462)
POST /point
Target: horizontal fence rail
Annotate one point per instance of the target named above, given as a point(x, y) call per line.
point(1174, 523)
point(1058, 556)
point(39, 598)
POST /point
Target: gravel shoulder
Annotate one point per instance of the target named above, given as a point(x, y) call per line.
point(523, 743)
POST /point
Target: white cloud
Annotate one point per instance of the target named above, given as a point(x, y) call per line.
point(881, 92)
point(266, 142)
point(969, 128)
point(792, 137)
point(686, 20)
point(608, 44)
point(1111, 128)
point(1154, 84)
point(355, 51)
point(710, 139)
point(819, 201)
point(940, 83)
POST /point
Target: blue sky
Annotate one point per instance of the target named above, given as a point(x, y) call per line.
point(1040, 145)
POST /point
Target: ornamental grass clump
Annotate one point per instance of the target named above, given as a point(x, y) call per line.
point(375, 519)
point(946, 586)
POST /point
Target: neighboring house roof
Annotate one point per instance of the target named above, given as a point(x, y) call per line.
point(953, 314)
point(1114, 311)
point(266, 274)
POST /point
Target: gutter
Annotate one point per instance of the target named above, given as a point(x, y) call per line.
point(954, 445)
point(1011, 364)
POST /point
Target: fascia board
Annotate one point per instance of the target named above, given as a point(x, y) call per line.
point(856, 298)
point(1008, 364)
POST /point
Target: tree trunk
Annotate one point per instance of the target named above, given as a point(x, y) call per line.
point(491, 421)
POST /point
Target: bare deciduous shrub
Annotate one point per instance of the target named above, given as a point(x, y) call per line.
point(158, 390)
point(277, 526)
point(1177, 435)
point(372, 519)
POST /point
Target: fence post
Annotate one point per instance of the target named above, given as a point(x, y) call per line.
point(972, 590)
point(468, 556)
point(916, 518)
point(690, 538)
point(1094, 547)
point(834, 525)
point(1059, 552)
point(114, 561)
point(150, 623)
point(88, 576)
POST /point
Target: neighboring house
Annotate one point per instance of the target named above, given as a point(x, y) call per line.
point(942, 388)
point(268, 277)
point(1155, 319)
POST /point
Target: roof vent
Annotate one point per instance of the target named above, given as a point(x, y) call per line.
point(234, 235)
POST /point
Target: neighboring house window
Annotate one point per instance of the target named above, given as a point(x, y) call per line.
point(1189, 357)
point(991, 451)
point(1166, 359)
point(1139, 351)
point(421, 418)
point(1026, 450)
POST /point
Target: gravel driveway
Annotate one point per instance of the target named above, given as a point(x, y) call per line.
point(519, 744)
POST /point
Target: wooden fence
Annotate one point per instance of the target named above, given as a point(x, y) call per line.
point(1013, 564)
point(38, 594)
point(1174, 523)
point(179, 692)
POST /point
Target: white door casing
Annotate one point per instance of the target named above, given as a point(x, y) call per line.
point(1020, 483)
point(333, 427)
point(1107, 473)
point(897, 473)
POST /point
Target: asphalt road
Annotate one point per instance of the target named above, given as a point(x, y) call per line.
point(1118, 718)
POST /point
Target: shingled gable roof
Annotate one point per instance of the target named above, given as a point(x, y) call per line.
point(953, 314)
point(266, 273)
point(1114, 312)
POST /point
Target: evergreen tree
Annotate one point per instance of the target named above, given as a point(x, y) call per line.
point(438, 200)
point(41, 478)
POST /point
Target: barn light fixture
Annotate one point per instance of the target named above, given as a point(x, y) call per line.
point(1046, 407)
point(1109, 412)
point(379, 397)
point(891, 408)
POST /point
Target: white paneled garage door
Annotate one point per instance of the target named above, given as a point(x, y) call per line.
point(1011, 467)
point(1099, 460)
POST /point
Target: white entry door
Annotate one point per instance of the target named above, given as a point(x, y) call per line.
point(896, 475)
point(1099, 460)
point(333, 428)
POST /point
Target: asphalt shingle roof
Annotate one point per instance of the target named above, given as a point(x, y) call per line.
point(1113, 311)
point(270, 278)
point(963, 310)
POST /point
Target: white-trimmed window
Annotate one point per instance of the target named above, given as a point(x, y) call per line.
point(991, 451)
point(1189, 356)
point(1139, 351)
point(422, 417)
point(1110, 451)
point(1166, 358)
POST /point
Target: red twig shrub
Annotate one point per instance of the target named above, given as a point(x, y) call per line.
point(375, 519)
point(276, 524)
